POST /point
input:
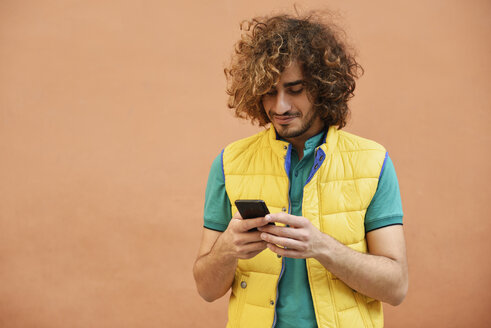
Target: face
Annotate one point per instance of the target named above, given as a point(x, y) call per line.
point(289, 108)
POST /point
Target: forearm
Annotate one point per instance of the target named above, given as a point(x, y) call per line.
point(379, 277)
point(214, 269)
point(214, 273)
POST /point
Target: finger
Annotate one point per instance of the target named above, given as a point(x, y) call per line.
point(252, 223)
point(250, 237)
point(285, 252)
point(287, 219)
point(282, 241)
point(252, 254)
point(288, 232)
point(253, 247)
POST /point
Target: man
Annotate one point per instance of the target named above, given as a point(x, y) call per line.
point(337, 247)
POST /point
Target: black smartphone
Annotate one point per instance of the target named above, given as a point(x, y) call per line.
point(252, 208)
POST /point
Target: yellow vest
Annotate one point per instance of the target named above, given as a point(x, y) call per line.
point(335, 200)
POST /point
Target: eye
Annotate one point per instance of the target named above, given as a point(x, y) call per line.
point(296, 91)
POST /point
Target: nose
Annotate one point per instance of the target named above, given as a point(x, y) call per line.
point(281, 104)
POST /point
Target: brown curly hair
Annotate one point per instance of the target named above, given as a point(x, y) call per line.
point(269, 44)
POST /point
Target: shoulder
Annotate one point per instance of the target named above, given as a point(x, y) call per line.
point(244, 143)
point(216, 169)
point(245, 146)
point(351, 142)
point(364, 156)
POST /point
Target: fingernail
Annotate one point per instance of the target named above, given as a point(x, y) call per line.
point(268, 217)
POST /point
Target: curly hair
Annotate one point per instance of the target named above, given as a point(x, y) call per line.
point(269, 44)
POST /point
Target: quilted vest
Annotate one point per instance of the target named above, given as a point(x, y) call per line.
point(335, 199)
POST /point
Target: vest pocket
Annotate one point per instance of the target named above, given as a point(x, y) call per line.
point(237, 300)
point(351, 307)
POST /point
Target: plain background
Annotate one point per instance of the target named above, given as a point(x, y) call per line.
point(111, 113)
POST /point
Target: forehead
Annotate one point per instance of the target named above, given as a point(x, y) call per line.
point(292, 72)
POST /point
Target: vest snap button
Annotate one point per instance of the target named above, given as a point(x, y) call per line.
point(316, 166)
point(243, 284)
point(284, 209)
point(271, 302)
point(278, 255)
point(285, 147)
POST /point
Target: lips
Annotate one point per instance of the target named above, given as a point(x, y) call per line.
point(285, 119)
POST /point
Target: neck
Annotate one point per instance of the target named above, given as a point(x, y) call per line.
point(299, 142)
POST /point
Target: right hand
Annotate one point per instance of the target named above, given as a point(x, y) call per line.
point(240, 243)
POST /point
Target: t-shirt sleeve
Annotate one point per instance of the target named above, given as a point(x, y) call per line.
point(386, 207)
point(217, 213)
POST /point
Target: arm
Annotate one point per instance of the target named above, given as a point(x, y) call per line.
point(214, 268)
point(213, 273)
point(380, 274)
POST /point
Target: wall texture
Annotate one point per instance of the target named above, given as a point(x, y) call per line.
point(111, 113)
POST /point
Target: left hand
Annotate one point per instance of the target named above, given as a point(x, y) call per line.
point(300, 240)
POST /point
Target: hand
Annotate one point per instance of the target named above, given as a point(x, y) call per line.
point(300, 240)
point(240, 243)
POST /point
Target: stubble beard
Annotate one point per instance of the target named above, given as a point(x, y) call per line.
point(307, 123)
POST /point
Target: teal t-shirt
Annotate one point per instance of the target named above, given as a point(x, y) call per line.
point(294, 307)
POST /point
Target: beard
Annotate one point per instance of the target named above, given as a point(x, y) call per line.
point(285, 131)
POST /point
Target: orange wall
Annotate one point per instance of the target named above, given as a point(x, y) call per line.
point(112, 111)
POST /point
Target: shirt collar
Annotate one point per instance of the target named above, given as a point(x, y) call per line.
point(313, 142)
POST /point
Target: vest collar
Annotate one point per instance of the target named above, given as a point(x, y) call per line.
point(280, 147)
point(331, 140)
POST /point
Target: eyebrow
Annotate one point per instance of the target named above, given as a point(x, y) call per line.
point(291, 84)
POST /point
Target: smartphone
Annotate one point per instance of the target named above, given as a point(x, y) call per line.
point(252, 208)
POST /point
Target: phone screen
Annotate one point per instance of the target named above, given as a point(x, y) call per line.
point(251, 208)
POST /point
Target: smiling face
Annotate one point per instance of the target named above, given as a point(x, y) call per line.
point(290, 109)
